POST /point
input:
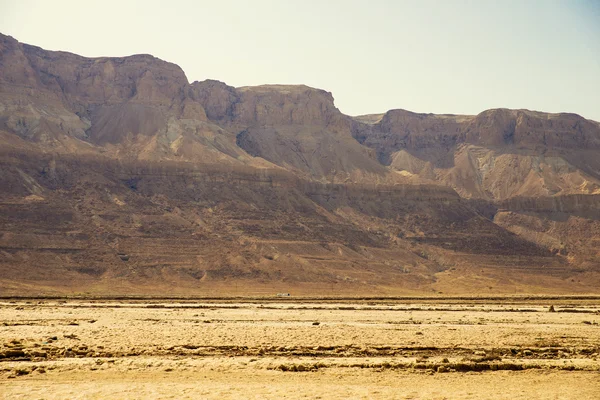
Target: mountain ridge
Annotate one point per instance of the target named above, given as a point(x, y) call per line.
point(121, 176)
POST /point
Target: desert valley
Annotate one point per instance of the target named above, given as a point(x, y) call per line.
point(167, 239)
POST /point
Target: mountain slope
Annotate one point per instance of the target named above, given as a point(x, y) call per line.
point(495, 155)
point(120, 177)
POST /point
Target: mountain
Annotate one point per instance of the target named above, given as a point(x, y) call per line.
point(119, 176)
point(495, 155)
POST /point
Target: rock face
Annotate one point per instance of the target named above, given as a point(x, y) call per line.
point(216, 98)
point(495, 155)
point(85, 90)
point(120, 177)
point(299, 128)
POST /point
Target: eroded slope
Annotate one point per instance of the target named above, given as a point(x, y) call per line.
point(118, 176)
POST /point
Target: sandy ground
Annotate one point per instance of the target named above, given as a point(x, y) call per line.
point(93, 349)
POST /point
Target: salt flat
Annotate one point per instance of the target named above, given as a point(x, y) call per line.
point(300, 349)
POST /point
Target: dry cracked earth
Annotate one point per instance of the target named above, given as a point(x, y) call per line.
point(473, 349)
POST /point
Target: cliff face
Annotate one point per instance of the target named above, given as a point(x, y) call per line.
point(80, 89)
point(136, 107)
point(118, 176)
point(299, 128)
point(495, 155)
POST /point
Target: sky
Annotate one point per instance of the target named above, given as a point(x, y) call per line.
point(444, 56)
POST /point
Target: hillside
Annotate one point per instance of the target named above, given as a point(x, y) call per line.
point(118, 176)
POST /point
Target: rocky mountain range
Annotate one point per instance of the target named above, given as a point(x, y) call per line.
point(118, 176)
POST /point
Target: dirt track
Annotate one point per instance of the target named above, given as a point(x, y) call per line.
point(360, 349)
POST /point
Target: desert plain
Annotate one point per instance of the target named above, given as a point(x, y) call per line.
point(467, 348)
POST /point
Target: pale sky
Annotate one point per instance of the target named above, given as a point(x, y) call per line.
point(458, 57)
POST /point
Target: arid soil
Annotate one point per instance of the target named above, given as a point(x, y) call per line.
point(280, 348)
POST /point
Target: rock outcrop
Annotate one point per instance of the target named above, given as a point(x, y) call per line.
point(495, 155)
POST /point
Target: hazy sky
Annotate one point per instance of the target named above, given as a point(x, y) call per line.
point(425, 56)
